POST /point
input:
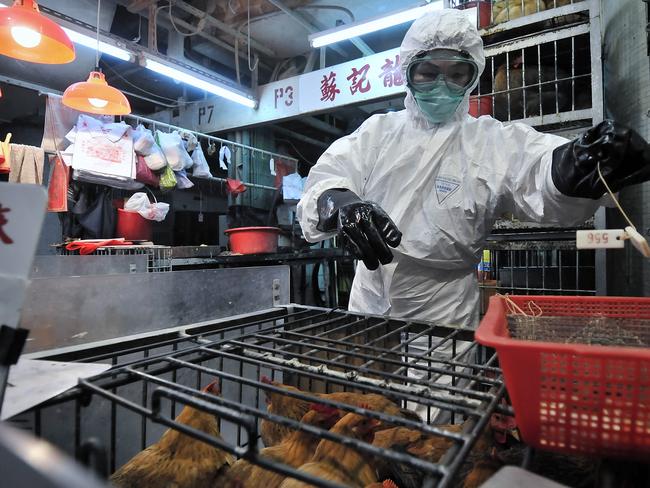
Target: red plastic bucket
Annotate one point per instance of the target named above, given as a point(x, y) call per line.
point(253, 240)
point(480, 105)
point(132, 226)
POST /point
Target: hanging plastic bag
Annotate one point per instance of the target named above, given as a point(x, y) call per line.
point(292, 187)
point(143, 141)
point(174, 149)
point(156, 159)
point(201, 167)
point(235, 187)
point(144, 174)
point(190, 141)
point(139, 202)
point(182, 181)
point(167, 179)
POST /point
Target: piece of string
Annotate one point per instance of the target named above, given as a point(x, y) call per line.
point(534, 310)
point(99, 6)
point(251, 68)
point(611, 194)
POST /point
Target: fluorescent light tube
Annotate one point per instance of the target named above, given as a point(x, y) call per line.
point(209, 86)
point(91, 42)
point(104, 47)
point(360, 28)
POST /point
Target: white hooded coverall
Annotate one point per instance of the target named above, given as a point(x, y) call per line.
point(443, 185)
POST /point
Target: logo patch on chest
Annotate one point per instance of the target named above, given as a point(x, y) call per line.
point(445, 187)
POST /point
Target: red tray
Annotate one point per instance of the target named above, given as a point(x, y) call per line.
point(574, 398)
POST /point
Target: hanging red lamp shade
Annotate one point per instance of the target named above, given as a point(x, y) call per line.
point(28, 35)
point(95, 96)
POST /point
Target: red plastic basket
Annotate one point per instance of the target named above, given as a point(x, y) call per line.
point(575, 398)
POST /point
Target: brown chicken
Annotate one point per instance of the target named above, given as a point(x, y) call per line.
point(340, 463)
point(522, 89)
point(482, 462)
point(383, 484)
point(296, 450)
point(294, 408)
point(178, 460)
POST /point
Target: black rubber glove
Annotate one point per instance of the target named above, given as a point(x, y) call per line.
point(623, 154)
point(366, 228)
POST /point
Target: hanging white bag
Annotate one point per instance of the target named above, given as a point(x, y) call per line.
point(201, 167)
point(139, 202)
point(174, 149)
point(143, 141)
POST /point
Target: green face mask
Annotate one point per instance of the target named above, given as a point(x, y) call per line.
point(438, 104)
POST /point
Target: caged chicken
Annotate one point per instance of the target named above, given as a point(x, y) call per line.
point(178, 460)
point(296, 450)
point(505, 10)
point(477, 469)
point(294, 408)
point(341, 463)
point(527, 86)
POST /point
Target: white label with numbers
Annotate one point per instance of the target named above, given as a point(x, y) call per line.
point(600, 239)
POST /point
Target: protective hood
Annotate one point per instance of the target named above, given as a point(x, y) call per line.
point(445, 29)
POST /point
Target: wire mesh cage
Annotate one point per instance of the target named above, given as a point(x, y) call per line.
point(159, 258)
point(543, 79)
point(592, 331)
point(491, 13)
point(536, 267)
point(287, 357)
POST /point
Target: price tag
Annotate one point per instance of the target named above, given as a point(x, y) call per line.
point(600, 239)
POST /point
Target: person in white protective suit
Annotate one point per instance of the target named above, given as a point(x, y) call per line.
point(430, 180)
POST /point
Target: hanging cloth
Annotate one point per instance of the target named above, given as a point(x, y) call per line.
point(26, 164)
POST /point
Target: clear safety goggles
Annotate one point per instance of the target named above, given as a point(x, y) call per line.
point(457, 71)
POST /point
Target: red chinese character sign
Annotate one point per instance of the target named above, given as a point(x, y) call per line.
point(328, 87)
point(360, 80)
point(4, 238)
point(22, 209)
point(391, 72)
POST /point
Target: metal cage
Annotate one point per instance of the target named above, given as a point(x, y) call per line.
point(543, 68)
point(159, 258)
point(317, 350)
point(491, 13)
point(536, 267)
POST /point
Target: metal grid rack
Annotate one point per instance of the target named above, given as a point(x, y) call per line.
point(159, 258)
point(128, 408)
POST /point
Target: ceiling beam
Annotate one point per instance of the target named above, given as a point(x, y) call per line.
point(298, 17)
point(136, 6)
point(223, 27)
point(312, 29)
point(300, 137)
point(320, 125)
